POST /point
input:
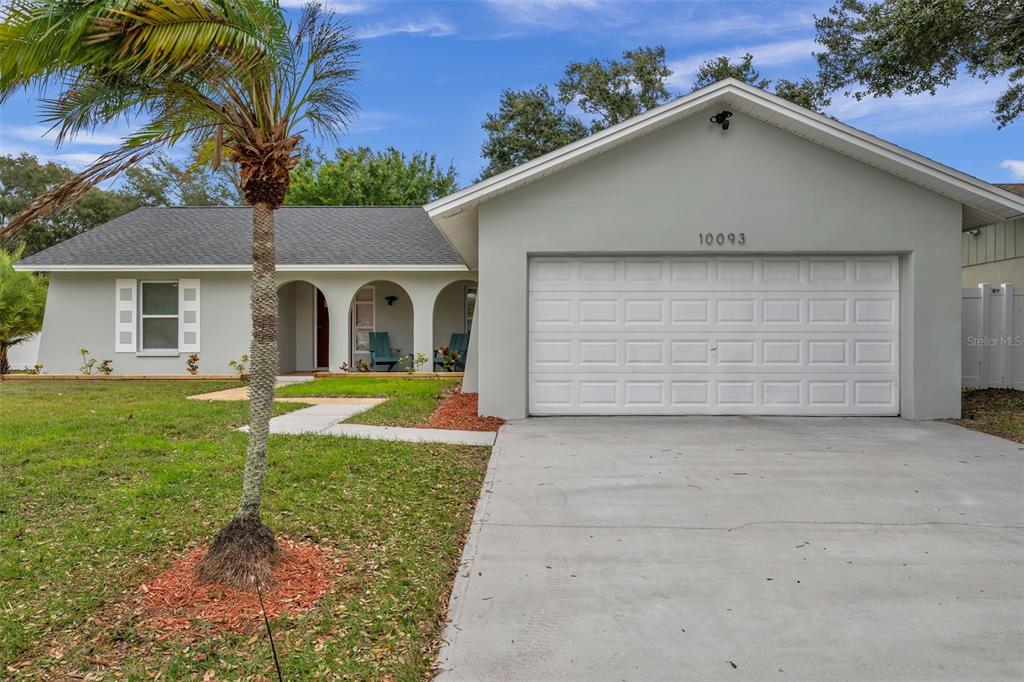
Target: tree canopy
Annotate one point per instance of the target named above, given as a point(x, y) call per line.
point(528, 124)
point(362, 177)
point(612, 91)
point(161, 182)
point(531, 123)
point(807, 93)
point(876, 49)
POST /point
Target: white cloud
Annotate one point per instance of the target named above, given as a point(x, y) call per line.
point(76, 160)
point(540, 11)
point(965, 103)
point(561, 15)
point(432, 27)
point(372, 121)
point(1015, 167)
point(688, 28)
point(766, 54)
point(41, 133)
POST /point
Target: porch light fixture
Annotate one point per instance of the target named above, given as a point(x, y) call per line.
point(722, 119)
point(391, 299)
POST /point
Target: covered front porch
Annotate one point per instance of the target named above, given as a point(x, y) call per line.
point(334, 320)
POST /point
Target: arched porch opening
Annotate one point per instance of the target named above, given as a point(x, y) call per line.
point(454, 308)
point(303, 328)
point(380, 306)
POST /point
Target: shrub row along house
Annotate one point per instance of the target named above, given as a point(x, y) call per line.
point(784, 263)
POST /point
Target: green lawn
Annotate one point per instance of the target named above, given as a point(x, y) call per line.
point(104, 484)
point(410, 401)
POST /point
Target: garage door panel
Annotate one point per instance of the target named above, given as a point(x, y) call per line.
point(713, 394)
point(724, 273)
point(697, 351)
point(588, 311)
point(714, 335)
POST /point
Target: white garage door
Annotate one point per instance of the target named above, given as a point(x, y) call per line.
point(714, 335)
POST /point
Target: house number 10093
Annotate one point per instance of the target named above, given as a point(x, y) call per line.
point(722, 238)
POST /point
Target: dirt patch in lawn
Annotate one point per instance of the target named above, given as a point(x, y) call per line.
point(458, 411)
point(997, 411)
point(174, 604)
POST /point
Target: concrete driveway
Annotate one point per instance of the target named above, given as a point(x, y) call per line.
point(743, 548)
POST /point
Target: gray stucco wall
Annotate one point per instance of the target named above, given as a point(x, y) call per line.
point(655, 194)
point(295, 327)
point(395, 319)
point(80, 313)
point(450, 312)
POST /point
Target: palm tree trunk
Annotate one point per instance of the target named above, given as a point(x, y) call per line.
point(244, 552)
point(263, 354)
point(5, 367)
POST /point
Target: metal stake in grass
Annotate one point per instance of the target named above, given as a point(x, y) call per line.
point(270, 634)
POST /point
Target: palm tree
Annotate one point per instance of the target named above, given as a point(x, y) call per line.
point(231, 77)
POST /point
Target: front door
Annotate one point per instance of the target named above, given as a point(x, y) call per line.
point(323, 326)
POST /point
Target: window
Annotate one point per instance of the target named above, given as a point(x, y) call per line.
point(470, 307)
point(159, 319)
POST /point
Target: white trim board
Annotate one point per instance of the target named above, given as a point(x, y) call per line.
point(239, 268)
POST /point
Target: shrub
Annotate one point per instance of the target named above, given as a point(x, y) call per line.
point(106, 367)
point(240, 365)
point(411, 363)
point(87, 362)
point(192, 364)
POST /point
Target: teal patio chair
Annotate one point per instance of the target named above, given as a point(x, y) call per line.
point(381, 352)
point(458, 344)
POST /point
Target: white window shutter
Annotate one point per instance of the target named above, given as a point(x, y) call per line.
point(125, 315)
point(188, 311)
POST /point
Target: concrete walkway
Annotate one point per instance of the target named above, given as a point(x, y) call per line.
point(413, 435)
point(725, 548)
point(326, 418)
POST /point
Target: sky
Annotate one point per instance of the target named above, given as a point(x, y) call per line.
point(431, 71)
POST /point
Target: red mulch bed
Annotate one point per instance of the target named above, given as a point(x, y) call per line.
point(173, 604)
point(458, 411)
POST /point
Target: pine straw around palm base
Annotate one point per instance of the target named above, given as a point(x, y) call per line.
point(175, 604)
point(242, 555)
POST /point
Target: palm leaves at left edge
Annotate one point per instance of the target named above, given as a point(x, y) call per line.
point(119, 58)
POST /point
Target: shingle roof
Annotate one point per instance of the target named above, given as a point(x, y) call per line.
point(1012, 187)
point(211, 236)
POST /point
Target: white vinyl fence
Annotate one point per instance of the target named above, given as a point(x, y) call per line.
point(992, 354)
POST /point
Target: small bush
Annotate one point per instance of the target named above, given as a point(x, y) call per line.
point(87, 362)
point(240, 365)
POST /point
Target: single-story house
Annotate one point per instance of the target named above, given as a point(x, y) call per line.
point(994, 254)
point(782, 264)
